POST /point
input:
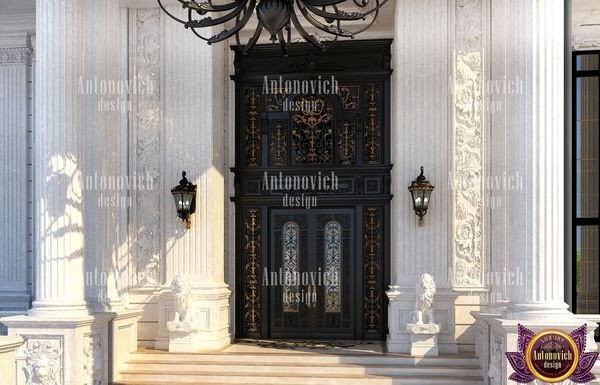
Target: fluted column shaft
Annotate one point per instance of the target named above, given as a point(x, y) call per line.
point(531, 131)
point(101, 93)
point(58, 153)
point(14, 172)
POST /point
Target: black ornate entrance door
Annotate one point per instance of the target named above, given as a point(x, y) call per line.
point(312, 289)
point(312, 193)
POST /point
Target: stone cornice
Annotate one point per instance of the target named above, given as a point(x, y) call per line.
point(15, 40)
point(22, 22)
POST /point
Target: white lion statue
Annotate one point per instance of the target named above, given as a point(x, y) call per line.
point(180, 288)
point(425, 290)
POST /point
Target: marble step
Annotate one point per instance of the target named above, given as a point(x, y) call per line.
point(304, 368)
point(188, 378)
point(307, 358)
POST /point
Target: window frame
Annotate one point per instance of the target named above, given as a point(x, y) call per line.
point(577, 221)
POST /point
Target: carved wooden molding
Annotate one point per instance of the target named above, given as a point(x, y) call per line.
point(468, 197)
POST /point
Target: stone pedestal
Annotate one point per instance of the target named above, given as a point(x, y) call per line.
point(183, 337)
point(400, 314)
point(209, 328)
point(123, 332)
point(423, 339)
point(69, 350)
point(8, 346)
point(497, 335)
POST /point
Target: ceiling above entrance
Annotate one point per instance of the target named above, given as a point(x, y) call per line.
point(282, 19)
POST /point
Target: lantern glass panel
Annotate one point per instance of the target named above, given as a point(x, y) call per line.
point(426, 196)
point(187, 201)
point(178, 198)
point(415, 198)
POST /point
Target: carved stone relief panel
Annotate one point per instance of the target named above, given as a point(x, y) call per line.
point(146, 157)
point(93, 362)
point(468, 197)
point(40, 361)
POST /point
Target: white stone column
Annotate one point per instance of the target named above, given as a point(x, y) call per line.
point(194, 129)
point(527, 135)
point(104, 100)
point(15, 52)
point(104, 187)
point(60, 333)
point(533, 143)
point(59, 159)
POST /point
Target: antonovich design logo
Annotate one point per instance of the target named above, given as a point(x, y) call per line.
point(552, 356)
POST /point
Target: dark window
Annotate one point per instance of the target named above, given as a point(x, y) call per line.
point(586, 183)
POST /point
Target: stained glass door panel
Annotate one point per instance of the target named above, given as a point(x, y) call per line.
point(311, 273)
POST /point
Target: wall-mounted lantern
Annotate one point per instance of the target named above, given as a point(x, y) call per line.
point(185, 199)
point(420, 190)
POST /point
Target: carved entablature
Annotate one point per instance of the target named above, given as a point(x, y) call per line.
point(20, 55)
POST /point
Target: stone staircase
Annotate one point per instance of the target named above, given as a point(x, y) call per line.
point(270, 366)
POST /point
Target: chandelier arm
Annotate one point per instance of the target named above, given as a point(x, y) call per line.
point(323, 27)
point(339, 24)
point(322, 3)
point(370, 23)
point(200, 36)
point(282, 42)
point(376, 8)
point(210, 22)
point(339, 15)
point(194, 29)
point(305, 35)
point(225, 34)
point(253, 39)
point(362, 3)
point(205, 7)
point(237, 34)
point(169, 14)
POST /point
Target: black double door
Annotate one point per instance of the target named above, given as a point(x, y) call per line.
point(312, 273)
point(318, 269)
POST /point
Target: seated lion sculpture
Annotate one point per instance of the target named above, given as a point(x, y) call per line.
point(180, 288)
point(425, 290)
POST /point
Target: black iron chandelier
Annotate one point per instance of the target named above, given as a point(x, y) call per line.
point(277, 17)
